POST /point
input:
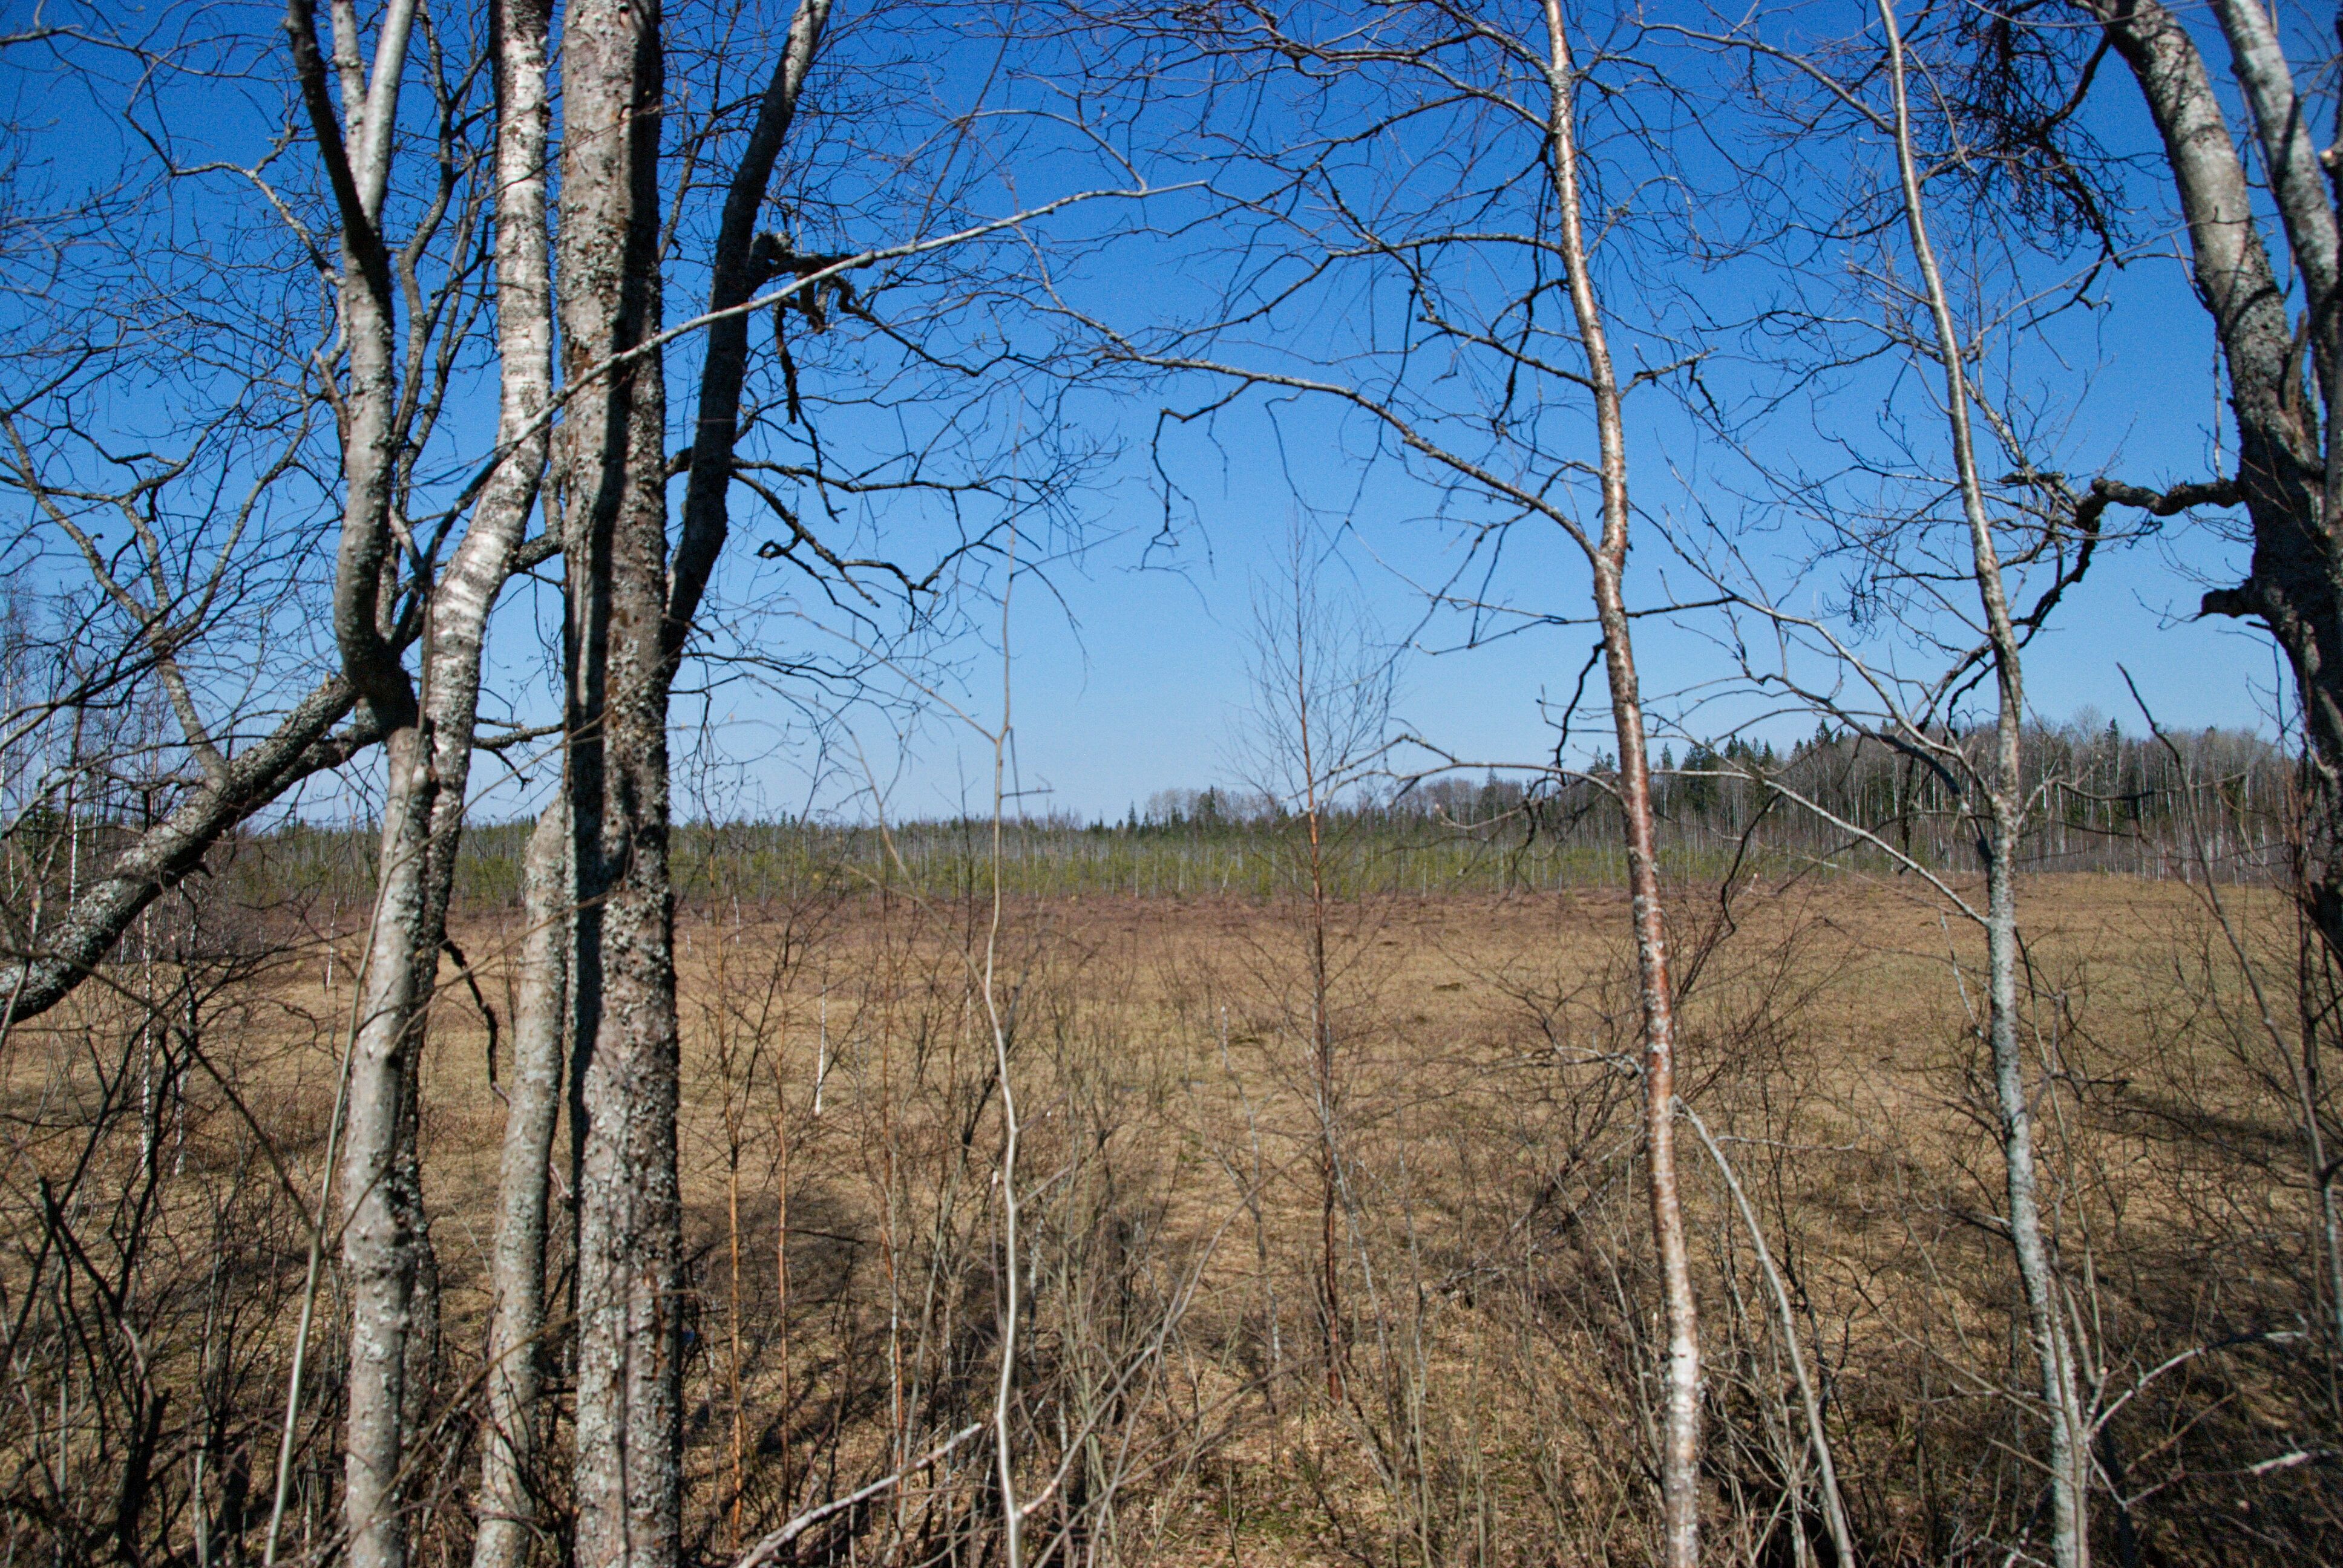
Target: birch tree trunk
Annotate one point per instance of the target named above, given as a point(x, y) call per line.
point(383, 1219)
point(2004, 790)
point(508, 1446)
point(525, 325)
point(386, 1248)
point(624, 1094)
point(382, 1225)
point(2289, 473)
point(1680, 1436)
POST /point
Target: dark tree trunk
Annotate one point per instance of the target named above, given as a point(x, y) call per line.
point(2287, 469)
point(630, 1236)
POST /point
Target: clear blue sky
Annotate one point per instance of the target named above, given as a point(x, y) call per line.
point(1130, 684)
point(1127, 677)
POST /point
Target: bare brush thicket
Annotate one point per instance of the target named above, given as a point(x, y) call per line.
point(1827, 1113)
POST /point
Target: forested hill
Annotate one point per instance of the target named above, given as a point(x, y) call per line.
point(2105, 800)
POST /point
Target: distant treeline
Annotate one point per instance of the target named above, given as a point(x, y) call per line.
point(2107, 802)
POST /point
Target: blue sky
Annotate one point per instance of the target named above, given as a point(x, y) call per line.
point(1131, 685)
point(1128, 671)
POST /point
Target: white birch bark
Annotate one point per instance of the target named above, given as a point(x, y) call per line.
point(2004, 790)
point(382, 1220)
point(385, 1240)
point(525, 326)
point(509, 1441)
point(1681, 1398)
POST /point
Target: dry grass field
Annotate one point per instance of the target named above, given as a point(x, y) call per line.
point(1468, 1378)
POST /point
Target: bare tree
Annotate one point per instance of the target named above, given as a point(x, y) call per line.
point(511, 1444)
point(1503, 94)
point(2290, 475)
point(427, 735)
point(2005, 789)
point(1321, 705)
point(136, 288)
point(1912, 525)
point(623, 1100)
point(630, 613)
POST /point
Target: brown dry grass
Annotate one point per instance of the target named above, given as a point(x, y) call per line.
point(1495, 1316)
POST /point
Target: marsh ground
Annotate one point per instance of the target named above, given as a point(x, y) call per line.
point(1490, 1322)
point(1470, 1380)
